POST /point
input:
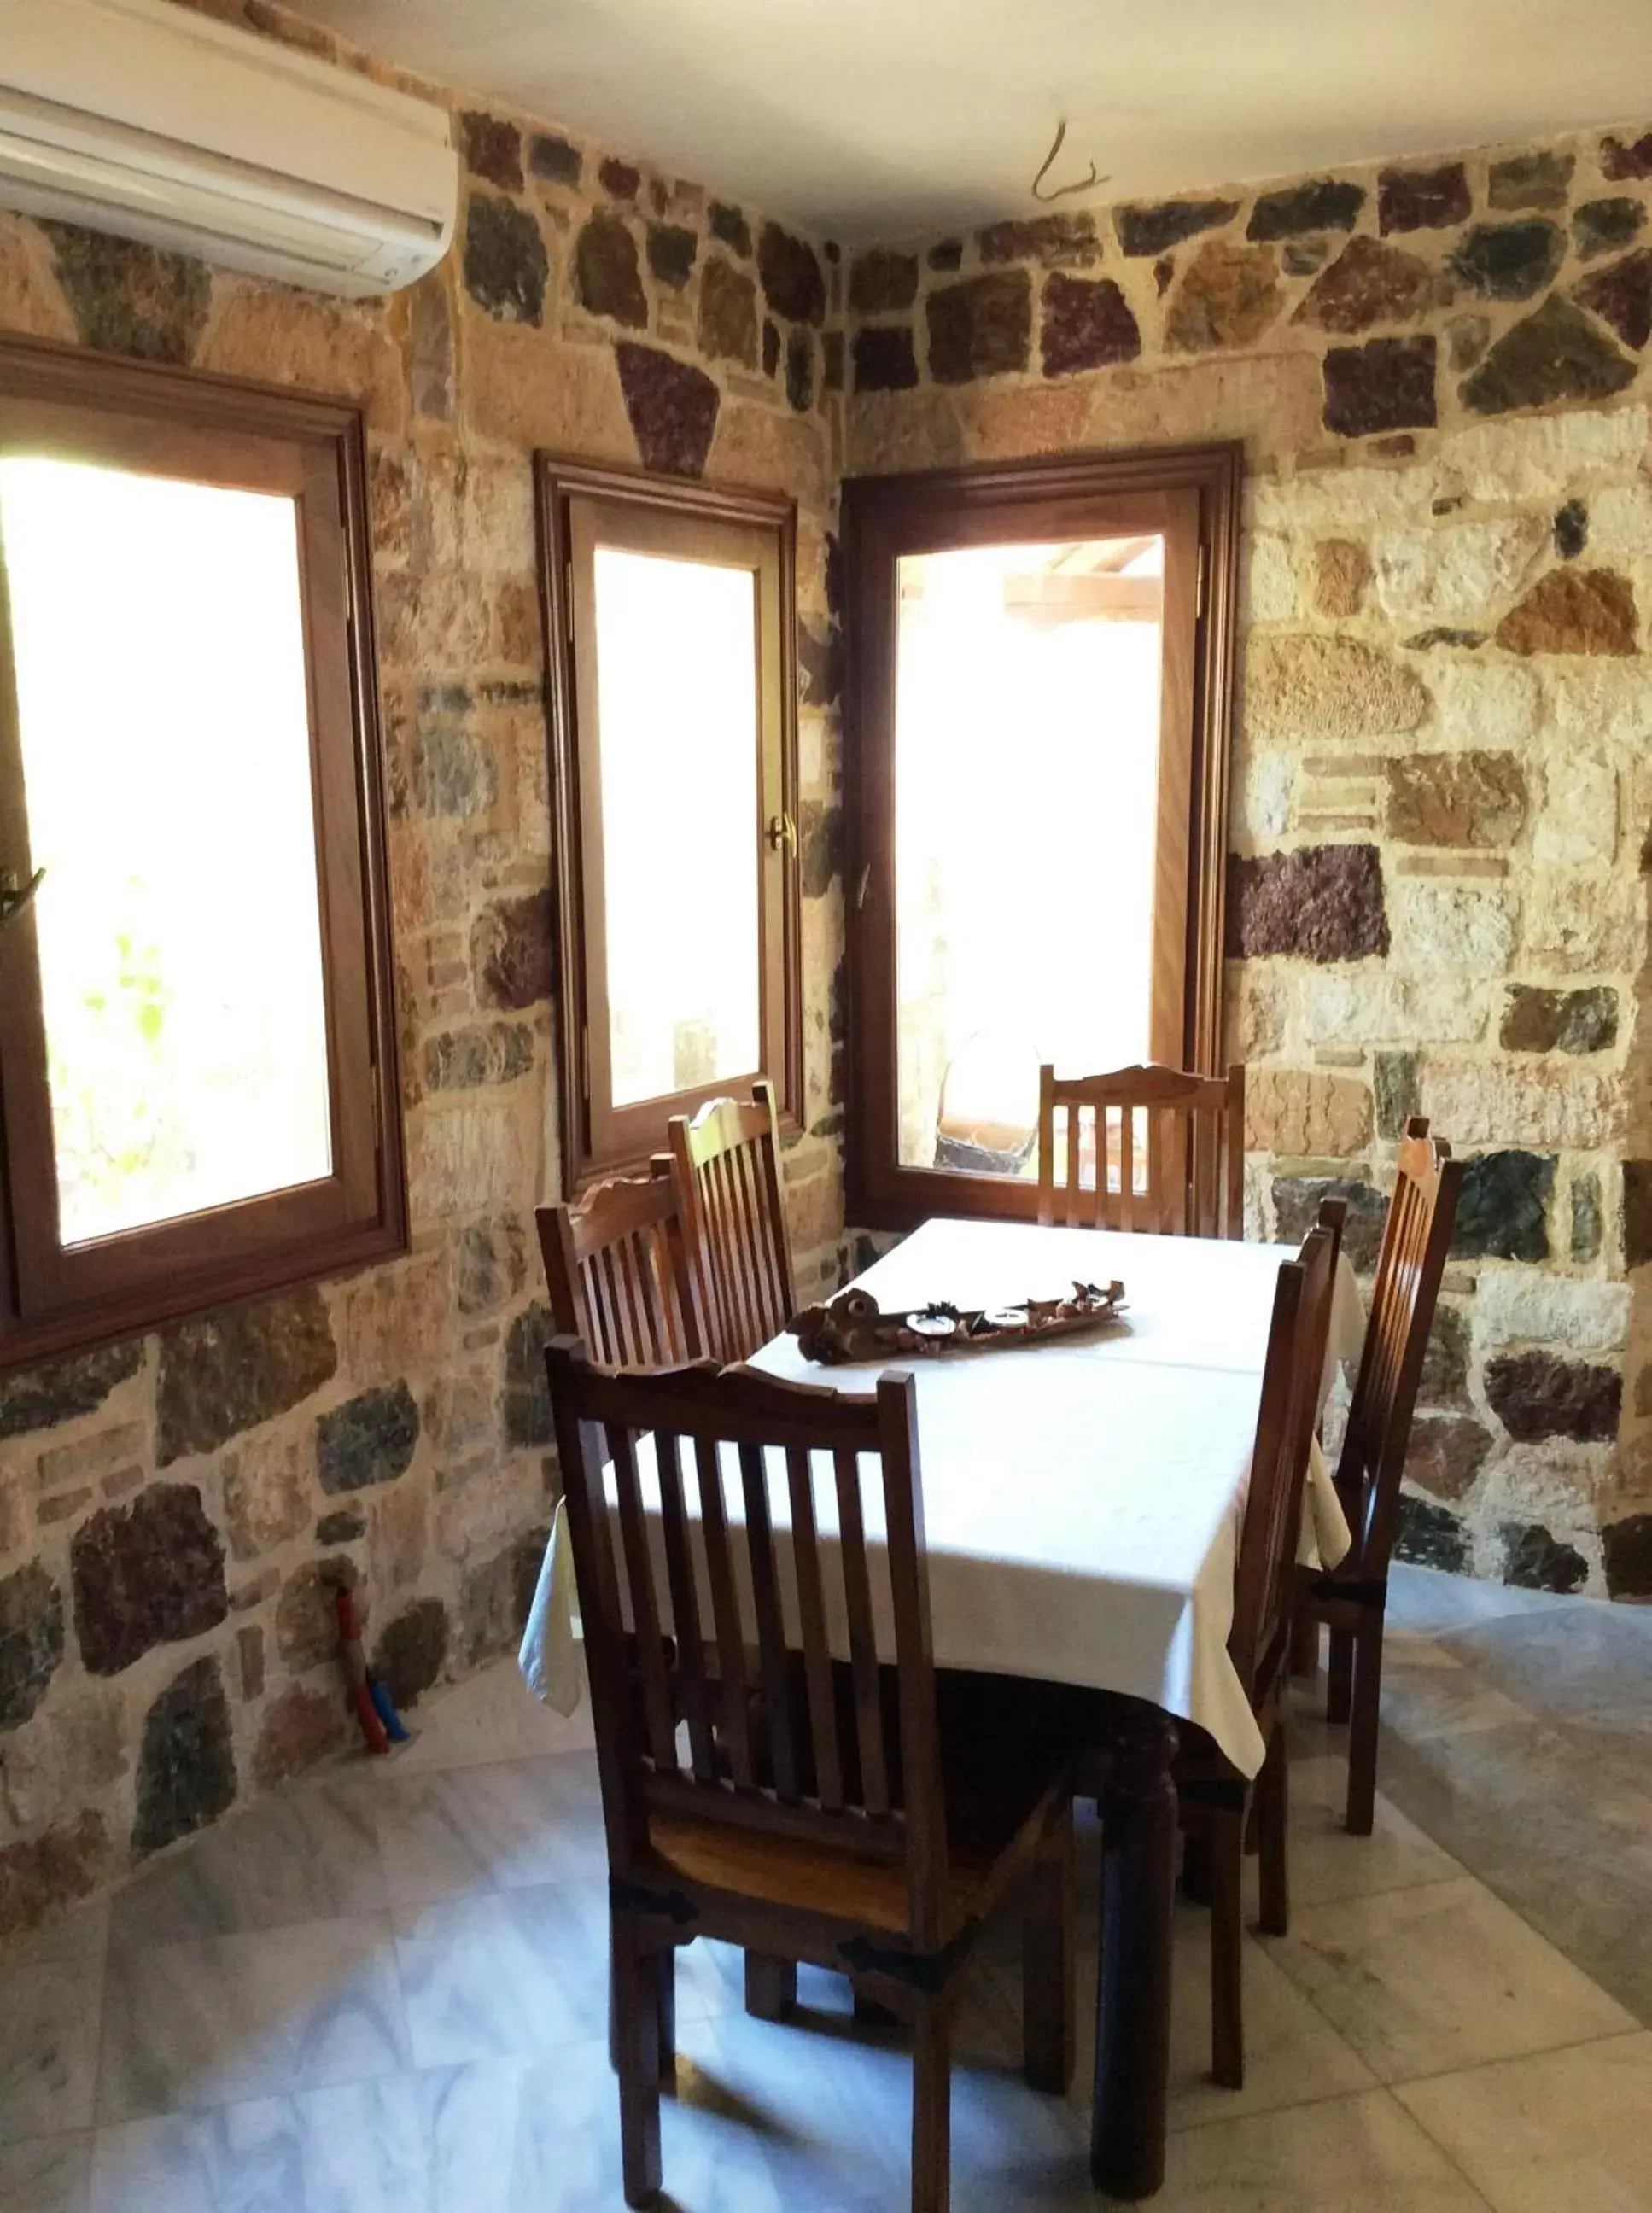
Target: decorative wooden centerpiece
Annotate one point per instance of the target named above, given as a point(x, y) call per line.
point(854, 1327)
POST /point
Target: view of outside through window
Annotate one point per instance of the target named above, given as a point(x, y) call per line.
point(1027, 755)
point(159, 648)
point(677, 704)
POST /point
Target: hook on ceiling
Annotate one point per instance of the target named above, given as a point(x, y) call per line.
point(1061, 192)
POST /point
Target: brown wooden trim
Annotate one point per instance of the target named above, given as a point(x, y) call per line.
point(597, 1144)
point(933, 511)
point(222, 430)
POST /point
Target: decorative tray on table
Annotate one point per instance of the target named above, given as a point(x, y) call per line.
point(853, 1326)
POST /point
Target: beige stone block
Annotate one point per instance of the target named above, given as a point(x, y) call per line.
point(467, 1159)
point(1543, 1104)
point(1307, 685)
point(495, 516)
point(1267, 579)
point(1452, 573)
point(1271, 401)
point(527, 389)
point(31, 303)
point(1485, 703)
point(1293, 1112)
point(1004, 422)
point(269, 1492)
point(1377, 1007)
point(13, 1513)
point(393, 1321)
point(1620, 522)
point(1341, 570)
point(1452, 864)
point(67, 1755)
point(280, 335)
point(93, 1457)
point(1557, 1482)
point(1578, 823)
point(1471, 797)
point(500, 1500)
point(1448, 929)
point(887, 432)
point(1544, 458)
point(398, 1523)
point(1261, 810)
point(1585, 921)
point(759, 446)
point(1253, 1012)
point(1520, 1306)
point(1610, 701)
point(1344, 499)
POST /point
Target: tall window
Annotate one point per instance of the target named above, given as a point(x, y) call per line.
point(670, 609)
point(196, 1041)
point(1037, 758)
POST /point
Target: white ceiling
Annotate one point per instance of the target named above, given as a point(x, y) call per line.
point(875, 118)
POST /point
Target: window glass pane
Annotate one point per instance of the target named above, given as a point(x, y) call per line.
point(1026, 756)
point(676, 655)
point(159, 649)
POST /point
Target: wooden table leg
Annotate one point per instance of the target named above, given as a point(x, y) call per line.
point(1132, 2018)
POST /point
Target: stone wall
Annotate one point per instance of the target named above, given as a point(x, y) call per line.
point(1441, 776)
point(171, 1508)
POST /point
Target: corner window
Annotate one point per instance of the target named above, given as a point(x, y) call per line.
point(195, 1030)
point(674, 777)
point(1036, 761)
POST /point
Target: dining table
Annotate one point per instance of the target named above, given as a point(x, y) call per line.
point(1082, 1500)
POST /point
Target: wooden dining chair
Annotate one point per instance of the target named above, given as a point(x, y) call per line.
point(618, 1270)
point(727, 1160)
point(810, 1808)
point(1166, 1150)
point(1213, 1800)
point(1352, 1597)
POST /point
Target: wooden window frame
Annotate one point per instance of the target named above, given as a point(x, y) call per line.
point(1089, 495)
point(53, 1299)
point(598, 1140)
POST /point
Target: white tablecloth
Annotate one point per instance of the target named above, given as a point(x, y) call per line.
point(1082, 1500)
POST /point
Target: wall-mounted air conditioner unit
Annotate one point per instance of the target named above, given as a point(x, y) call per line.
point(140, 117)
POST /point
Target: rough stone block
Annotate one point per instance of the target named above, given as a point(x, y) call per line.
point(266, 1495)
point(728, 317)
point(1423, 199)
point(31, 1641)
point(40, 1397)
point(1228, 296)
point(1454, 572)
point(1341, 570)
point(1603, 226)
point(299, 1727)
point(1395, 1092)
point(512, 954)
point(1574, 611)
point(1467, 798)
point(1430, 1536)
point(1319, 903)
point(1297, 1207)
point(1445, 1363)
point(42, 1875)
point(882, 281)
point(1533, 1395)
point(1086, 326)
point(982, 326)
point(1535, 1560)
point(1626, 1550)
point(1554, 355)
point(412, 1650)
point(1503, 1207)
point(1325, 204)
point(307, 1613)
point(1305, 1116)
point(1456, 932)
point(1147, 228)
point(791, 272)
point(369, 1439)
point(672, 406)
point(238, 1369)
point(1637, 1213)
point(1446, 1453)
point(145, 1574)
point(130, 299)
point(1493, 703)
point(526, 1405)
point(1589, 1218)
point(1383, 386)
point(506, 267)
point(1328, 688)
point(186, 1764)
point(1508, 260)
point(1536, 1019)
point(884, 359)
point(1621, 295)
point(1515, 1307)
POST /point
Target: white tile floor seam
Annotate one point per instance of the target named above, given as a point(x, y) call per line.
point(421, 2040)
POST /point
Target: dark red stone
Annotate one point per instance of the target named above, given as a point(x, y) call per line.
point(671, 252)
point(980, 327)
point(1319, 903)
point(1532, 180)
point(1057, 240)
point(1627, 1549)
point(946, 255)
point(729, 225)
point(493, 149)
point(607, 274)
point(511, 952)
point(1327, 204)
point(1086, 326)
point(1621, 295)
point(881, 283)
point(884, 360)
point(1445, 1453)
point(412, 1650)
point(790, 270)
point(1554, 354)
point(1387, 384)
point(1533, 1395)
point(1637, 1213)
point(619, 179)
point(554, 159)
point(146, 1573)
point(800, 372)
point(673, 408)
point(1423, 199)
point(506, 266)
point(1623, 160)
point(1147, 228)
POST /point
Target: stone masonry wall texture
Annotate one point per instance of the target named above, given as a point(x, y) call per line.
point(172, 1509)
point(1442, 791)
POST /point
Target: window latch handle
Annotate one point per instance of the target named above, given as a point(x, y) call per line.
point(782, 834)
point(14, 896)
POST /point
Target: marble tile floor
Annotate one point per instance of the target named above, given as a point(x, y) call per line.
point(380, 1990)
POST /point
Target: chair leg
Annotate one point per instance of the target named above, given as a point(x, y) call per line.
point(1049, 1994)
point(1304, 1644)
point(931, 2106)
point(1272, 1801)
point(868, 2012)
point(771, 1986)
point(1362, 1736)
point(1227, 1950)
point(637, 2040)
point(1339, 1678)
point(667, 1960)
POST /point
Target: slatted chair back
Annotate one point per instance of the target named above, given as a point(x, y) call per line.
point(1165, 1151)
point(780, 1473)
point(1265, 1579)
point(618, 1270)
point(727, 1160)
point(1416, 1240)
